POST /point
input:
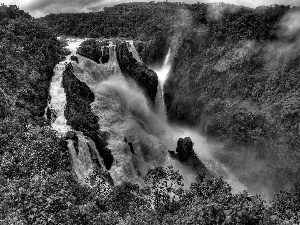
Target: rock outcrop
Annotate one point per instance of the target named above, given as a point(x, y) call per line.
point(95, 50)
point(146, 78)
point(79, 114)
point(154, 50)
point(186, 154)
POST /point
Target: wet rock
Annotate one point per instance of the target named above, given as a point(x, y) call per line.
point(74, 58)
point(186, 154)
point(101, 145)
point(154, 50)
point(131, 147)
point(95, 50)
point(145, 78)
point(71, 135)
point(79, 115)
point(185, 149)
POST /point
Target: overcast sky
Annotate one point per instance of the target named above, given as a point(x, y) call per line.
point(38, 8)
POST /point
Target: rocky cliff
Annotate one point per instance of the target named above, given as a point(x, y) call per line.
point(152, 52)
point(145, 78)
point(79, 114)
point(186, 154)
point(95, 50)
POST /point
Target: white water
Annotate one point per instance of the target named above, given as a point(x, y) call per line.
point(58, 100)
point(120, 104)
point(201, 147)
point(163, 74)
point(82, 161)
point(134, 52)
point(164, 71)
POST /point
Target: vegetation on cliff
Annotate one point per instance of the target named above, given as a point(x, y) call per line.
point(94, 50)
point(144, 77)
point(254, 106)
point(235, 78)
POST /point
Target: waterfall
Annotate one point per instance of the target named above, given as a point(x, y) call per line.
point(173, 133)
point(134, 52)
point(58, 100)
point(124, 112)
point(84, 151)
point(162, 74)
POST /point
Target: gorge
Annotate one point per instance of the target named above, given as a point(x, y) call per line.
point(182, 112)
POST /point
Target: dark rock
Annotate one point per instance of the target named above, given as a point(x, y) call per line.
point(184, 148)
point(153, 51)
point(74, 58)
point(71, 135)
point(101, 145)
point(145, 78)
point(172, 154)
point(131, 147)
point(95, 50)
point(186, 154)
point(79, 115)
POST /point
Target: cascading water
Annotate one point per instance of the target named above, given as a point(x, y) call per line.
point(82, 162)
point(162, 74)
point(58, 100)
point(124, 112)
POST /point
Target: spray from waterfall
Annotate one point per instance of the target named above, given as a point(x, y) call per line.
point(134, 101)
point(150, 124)
point(162, 74)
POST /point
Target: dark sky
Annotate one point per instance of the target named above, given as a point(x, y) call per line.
point(38, 8)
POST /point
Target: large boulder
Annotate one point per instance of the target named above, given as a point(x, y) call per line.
point(145, 78)
point(186, 154)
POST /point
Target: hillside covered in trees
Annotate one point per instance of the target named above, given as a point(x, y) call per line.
point(224, 82)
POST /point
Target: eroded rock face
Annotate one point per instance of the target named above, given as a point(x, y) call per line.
point(74, 58)
point(153, 51)
point(79, 114)
point(95, 50)
point(186, 154)
point(145, 78)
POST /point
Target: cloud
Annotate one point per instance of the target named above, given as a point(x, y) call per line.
point(38, 8)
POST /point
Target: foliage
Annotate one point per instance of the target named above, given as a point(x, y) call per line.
point(241, 101)
point(287, 204)
point(234, 79)
point(123, 20)
point(28, 54)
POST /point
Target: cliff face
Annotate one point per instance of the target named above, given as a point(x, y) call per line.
point(146, 78)
point(135, 151)
point(154, 50)
point(79, 114)
point(95, 50)
point(246, 94)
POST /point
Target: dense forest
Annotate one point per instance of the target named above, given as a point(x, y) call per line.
point(229, 85)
